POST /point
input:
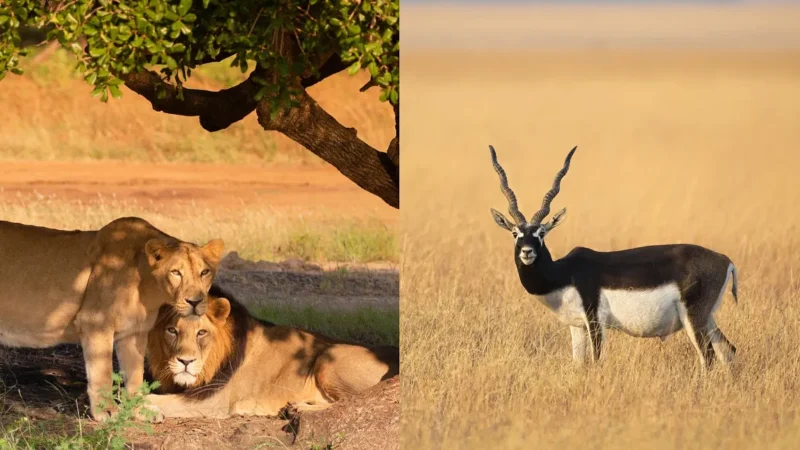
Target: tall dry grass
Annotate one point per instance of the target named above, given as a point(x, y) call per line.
point(674, 147)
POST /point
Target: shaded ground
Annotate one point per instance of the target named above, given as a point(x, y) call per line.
point(49, 385)
point(295, 283)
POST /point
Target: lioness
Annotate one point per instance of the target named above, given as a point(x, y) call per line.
point(102, 289)
point(228, 363)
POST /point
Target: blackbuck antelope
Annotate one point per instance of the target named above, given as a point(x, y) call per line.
point(645, 292)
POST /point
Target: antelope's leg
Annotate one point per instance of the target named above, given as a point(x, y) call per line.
point(697, 336)
point(723, 348)
point(595, 330)
point(579, 344)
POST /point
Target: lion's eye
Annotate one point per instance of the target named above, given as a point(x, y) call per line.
point(177, 273)
point(201, 333)
point(204, 272)
point(172, 330)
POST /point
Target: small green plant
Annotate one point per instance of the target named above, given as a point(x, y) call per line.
point(129, 408)
point(27, 434)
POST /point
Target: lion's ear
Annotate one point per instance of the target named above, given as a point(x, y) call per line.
point(156, 250)
point(219, 309)
point(213, 251)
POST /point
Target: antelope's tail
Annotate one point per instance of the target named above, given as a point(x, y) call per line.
point(734, 282)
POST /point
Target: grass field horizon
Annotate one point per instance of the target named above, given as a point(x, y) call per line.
point(674, 146)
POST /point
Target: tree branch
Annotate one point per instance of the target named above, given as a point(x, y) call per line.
point(313, 128)
point(217, 110)
point(394, 146)
point(307, 124)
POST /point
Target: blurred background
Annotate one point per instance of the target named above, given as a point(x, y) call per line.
point(686, 119)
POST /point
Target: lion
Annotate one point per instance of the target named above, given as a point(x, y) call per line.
point(101, 289)
point(227, 363)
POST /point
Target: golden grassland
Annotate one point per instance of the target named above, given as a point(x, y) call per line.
point(48, 114)
point(674, 147)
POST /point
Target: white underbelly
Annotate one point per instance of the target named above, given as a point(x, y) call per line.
point(643, 313)
point(567, 305)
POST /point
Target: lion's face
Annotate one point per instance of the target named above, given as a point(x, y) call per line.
point(185, 272)
point(188, 342)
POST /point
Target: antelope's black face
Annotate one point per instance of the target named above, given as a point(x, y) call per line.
point(528, 237)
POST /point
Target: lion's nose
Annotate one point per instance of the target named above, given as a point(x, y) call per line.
point(194, 303)
point(186, 362)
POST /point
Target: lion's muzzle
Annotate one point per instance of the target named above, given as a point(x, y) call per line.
point(185, 370)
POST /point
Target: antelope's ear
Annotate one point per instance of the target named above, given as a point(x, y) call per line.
point(501, 220)
point(557, 219)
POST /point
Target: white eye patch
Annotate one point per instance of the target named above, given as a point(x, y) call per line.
point(516, 233)
point(540, 234)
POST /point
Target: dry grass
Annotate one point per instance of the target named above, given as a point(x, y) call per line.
point(673, 147)
point(256, 233)
point(48, 114)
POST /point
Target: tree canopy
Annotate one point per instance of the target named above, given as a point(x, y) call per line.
point(152, 46)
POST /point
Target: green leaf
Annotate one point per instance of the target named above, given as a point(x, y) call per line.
point(171, 63)
point(205, 3)
point(97, 52)
point(261, 93)
point(354, 68)
point(184, 7)
point(115, 91)
point(373, 69)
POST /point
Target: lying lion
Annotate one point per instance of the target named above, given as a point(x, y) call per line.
point(228, 363)
point(102, 289)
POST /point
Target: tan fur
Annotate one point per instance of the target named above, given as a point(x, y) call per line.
point(102, 289)
point(281, 365)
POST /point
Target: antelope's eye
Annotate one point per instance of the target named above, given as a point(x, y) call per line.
point(204, 272)
point(177, 273)
point(172, 330)
point(201, 333)
point(515, 234)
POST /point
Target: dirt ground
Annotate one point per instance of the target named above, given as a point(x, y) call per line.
point(218, 187)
